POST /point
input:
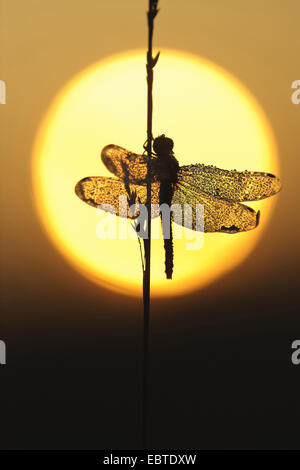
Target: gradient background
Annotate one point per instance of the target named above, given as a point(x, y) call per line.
point(221, 374)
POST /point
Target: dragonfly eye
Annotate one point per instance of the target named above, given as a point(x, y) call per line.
point(163, 145)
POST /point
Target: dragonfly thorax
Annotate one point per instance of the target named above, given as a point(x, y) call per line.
point(165, 166)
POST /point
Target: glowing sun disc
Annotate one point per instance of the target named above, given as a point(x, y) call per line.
point(212, 118)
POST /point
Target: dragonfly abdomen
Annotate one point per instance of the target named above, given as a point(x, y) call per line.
point(165, 198)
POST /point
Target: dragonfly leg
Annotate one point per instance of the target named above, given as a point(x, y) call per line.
point(145, 145)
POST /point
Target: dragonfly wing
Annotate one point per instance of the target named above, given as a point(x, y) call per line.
point(231, 185)
point(219, 215)
point(111, 195)
point(128, 166)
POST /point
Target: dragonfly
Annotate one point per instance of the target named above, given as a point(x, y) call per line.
point(220, 192)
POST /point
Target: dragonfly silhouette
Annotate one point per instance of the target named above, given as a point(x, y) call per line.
point(219, 191)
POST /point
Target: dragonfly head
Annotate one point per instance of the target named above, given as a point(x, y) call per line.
point(163, 145)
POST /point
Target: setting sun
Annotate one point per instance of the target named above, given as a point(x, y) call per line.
point(212, 119)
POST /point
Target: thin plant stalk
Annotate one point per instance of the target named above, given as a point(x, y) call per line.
point(152, 12)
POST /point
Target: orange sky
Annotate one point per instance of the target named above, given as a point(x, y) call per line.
point(44, 44)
